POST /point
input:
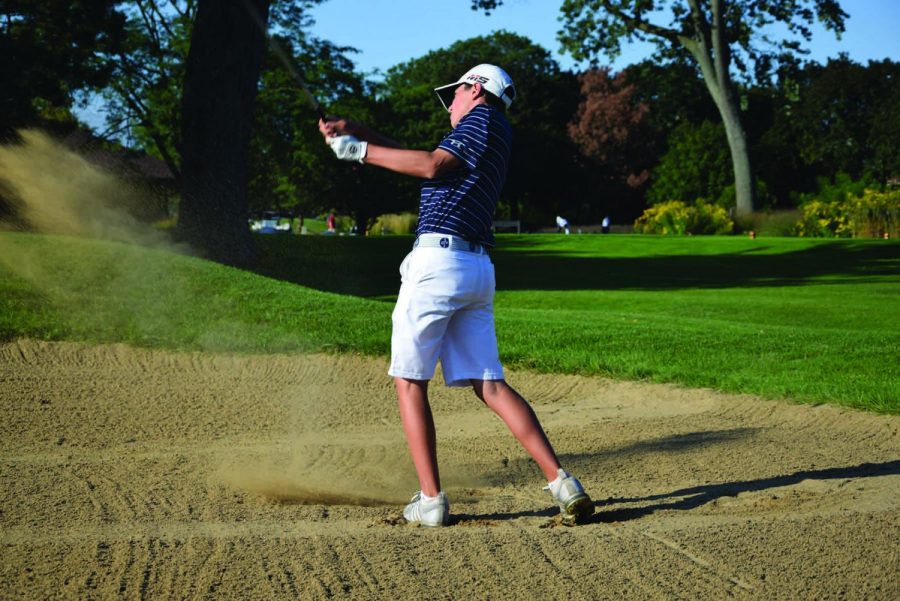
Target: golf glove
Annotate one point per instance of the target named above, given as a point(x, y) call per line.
point(348, 148)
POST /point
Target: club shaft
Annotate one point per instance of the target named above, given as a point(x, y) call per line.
point(285, 60)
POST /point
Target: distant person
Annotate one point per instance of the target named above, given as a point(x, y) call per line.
point(298, 220)
point(562, 224)
point(330, 223)
point(445, 308)
point(604, 225)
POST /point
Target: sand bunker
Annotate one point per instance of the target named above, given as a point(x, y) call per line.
point(131, 473)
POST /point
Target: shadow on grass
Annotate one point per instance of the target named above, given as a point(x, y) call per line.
point(523, 270)
point(368, 267)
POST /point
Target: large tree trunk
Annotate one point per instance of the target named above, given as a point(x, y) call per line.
point(227, 49)
point(740, 155)
point(710, 49)
point(726, 101)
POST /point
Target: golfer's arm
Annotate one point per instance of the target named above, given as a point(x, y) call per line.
point(418, 163)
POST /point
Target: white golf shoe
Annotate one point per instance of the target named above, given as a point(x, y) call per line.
point(574, 504)
point(430, 511)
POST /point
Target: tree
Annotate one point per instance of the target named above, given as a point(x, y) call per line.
point(51, 51)
point(610, 128)
point(844, 114)
point(220, 84)
point(838, 118)
point(290, 165)
point(674, 93)
point(696, 166)
point(143, 98)
point(718, 34)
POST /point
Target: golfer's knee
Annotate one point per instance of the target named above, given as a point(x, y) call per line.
point(407, 387)
point(489, 390)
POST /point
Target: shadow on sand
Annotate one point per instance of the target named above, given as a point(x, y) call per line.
point(696, 496)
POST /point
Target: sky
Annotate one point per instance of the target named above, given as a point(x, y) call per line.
point(390, 32)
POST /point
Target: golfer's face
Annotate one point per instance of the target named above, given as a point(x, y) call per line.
point(459, 107)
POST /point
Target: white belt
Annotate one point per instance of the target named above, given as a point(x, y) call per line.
point(450, 243)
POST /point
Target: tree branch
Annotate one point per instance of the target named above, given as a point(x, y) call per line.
point(721, 52)
point(699, 46)
point(636, 22)
point(163, 21)
point(149, 23)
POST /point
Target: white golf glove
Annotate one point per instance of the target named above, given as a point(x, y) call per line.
point(348, 148)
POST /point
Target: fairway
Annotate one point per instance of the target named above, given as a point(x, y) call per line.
point(784, 318)
point(134, 473)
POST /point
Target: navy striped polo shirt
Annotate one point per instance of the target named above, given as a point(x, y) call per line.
point(462, 202)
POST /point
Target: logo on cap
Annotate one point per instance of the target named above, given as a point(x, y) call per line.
point(445, 242)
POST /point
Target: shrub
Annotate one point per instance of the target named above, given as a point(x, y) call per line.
point(393, 223)
point(871, 215)
point(675, 217)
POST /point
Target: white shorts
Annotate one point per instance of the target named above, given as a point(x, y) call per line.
point(445, 310)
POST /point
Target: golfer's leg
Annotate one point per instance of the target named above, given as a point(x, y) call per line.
point(521, 421)
point(418, 424)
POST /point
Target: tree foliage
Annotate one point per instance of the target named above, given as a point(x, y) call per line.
point(143, 98)
point(695, 166)
point(828, 119)
point(846, 117)
point(736, 29)
point(722, 36)
point(52, 50)
point(289, 167)
point(610, 126)
point(579, 140)
point(290, 164)
point(674, 93)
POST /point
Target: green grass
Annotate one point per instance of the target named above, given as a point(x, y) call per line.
point(807, 320)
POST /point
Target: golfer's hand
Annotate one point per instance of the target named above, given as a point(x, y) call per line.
point(338, 126)
point(348, 148)
point(329, 129)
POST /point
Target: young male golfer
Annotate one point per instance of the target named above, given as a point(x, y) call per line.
point(445, 305)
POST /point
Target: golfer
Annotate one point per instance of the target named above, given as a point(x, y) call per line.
point(445, 306)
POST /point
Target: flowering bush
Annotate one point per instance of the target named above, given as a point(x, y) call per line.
point(675, 217)
point(871, 215)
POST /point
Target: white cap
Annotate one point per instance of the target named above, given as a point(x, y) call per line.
point(492, 78)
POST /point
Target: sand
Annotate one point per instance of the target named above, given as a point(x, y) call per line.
point(130, 473)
